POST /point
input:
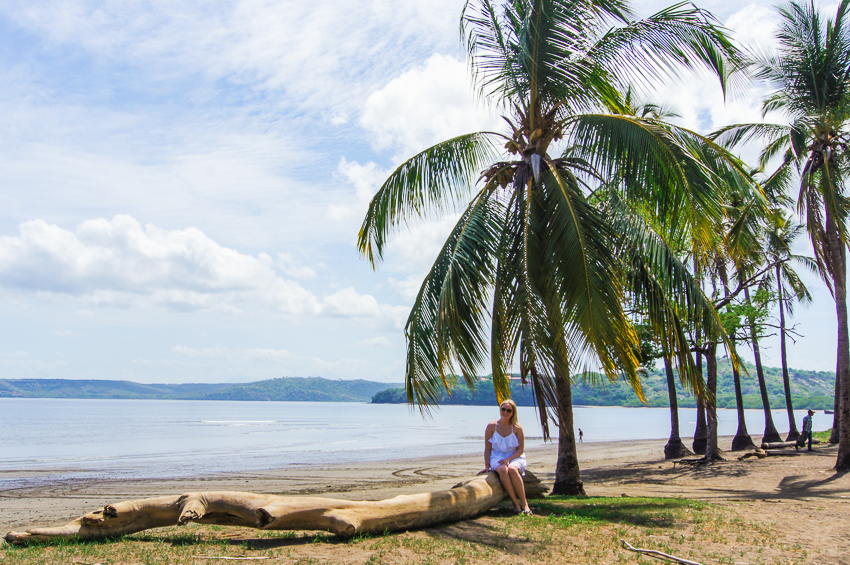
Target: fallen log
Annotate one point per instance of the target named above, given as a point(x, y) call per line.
point(760, 453)
point(784, 444)
point(344, 518)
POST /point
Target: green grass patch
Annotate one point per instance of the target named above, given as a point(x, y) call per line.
point(645, 512)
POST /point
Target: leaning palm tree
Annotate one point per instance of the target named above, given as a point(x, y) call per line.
point(531, 256)
point(811, 73)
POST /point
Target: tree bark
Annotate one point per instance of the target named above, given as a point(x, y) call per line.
point(567, 472)
point(701, 430)
point(793, 432)
point(674, 449)
point(742, 440)
point(712, 452)
point(842, 374)
point(770, 433)
point(272, 512)
point(833, 434)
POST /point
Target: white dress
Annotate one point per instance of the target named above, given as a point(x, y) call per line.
point(502, 448)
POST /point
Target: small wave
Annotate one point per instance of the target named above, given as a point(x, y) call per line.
point(238, 422)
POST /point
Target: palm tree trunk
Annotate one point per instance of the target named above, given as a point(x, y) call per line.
point(793, 433)
point(742, 440)
point(842, 373)
point(701, 431)
point(674, 449)
point(712, 452)
point(770, 433)
point(833, 435)
point(567, 472)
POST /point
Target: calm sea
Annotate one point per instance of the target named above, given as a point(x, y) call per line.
point(69, 438)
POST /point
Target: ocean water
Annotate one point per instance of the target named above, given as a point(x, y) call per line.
point(72, 438)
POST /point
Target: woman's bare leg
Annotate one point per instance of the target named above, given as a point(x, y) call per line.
point(518, 486)
point(507, 482)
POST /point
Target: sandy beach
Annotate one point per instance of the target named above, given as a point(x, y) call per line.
point(796, 488)
point(59, 501)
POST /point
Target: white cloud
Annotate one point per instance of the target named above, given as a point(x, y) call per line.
point(121, 263)
point(409, 287)
point(207, 352)
point(269, 354)
point(294, 268)
point(423, 106)
point(375, 342)
point(230, 354)
point(757, 37)
point(367, 179)
point(348, 303)
point(417, 245)
point(317, 53)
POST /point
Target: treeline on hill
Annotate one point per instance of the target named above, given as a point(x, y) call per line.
point(285, 388)
point(809, 389)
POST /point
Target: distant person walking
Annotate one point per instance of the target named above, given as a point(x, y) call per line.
point(807, 428)
point(580, 436)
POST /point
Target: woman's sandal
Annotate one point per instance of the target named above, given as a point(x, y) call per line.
point(526, 513)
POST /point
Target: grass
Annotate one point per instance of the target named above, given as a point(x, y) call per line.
point(823, 436)
point(563, 530)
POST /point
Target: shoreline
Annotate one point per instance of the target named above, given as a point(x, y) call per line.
point(52, 502)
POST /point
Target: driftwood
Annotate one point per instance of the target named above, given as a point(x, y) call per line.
point(784, 444)
point(760, 453)
point(657, 554)
point(274, 512)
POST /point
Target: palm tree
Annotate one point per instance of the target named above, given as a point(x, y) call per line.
point(780, 233)
point(811, 73)
point(531, 256)
point(770, 434)
point(732, 322)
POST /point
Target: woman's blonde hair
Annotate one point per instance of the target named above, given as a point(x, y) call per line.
point(512, 404)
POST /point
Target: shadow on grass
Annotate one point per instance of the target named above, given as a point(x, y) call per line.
point(645, 512)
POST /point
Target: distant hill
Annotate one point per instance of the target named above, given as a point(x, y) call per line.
point(809, 389)
point(286, 388)
point(297, 388)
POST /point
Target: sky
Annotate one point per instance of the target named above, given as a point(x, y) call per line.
point(182, 182)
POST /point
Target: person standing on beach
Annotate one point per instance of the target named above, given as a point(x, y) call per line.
point(807, 427)
point(504, 446)
point(580, 436)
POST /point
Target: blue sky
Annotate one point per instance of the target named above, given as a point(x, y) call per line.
point(181, 183)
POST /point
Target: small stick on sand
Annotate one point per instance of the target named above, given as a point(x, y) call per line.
point(657, 554)
point(229, 558)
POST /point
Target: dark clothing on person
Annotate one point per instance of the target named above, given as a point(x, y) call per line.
point(807, 429)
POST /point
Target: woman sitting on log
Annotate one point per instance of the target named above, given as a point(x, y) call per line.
point(504, 445)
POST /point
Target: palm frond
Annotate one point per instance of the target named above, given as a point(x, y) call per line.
point(679, 175)
point(680, 36)
point(444, 328)
point(432, 181)
point(734, 135)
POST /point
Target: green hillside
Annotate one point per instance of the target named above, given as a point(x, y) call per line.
point(297, 388)
point(68, 388)
point(287, 388)
point(809, 389)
